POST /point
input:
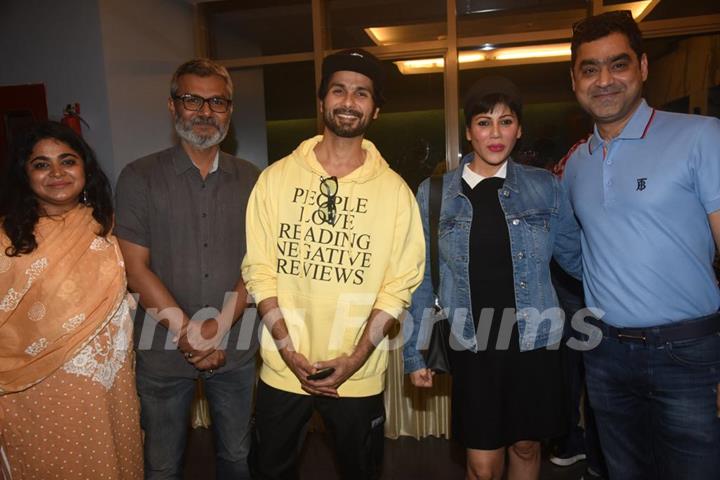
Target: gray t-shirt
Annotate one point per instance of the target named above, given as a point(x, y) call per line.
point(195, 230)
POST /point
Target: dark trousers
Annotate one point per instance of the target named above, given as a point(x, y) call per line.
point(579, 440)
point(655, 407)
point(356, 426)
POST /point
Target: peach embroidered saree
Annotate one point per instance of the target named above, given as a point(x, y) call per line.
point(68, 406)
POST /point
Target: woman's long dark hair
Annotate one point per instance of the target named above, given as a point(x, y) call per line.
point(19, 207)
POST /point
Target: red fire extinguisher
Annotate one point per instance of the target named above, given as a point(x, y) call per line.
point(71, 118)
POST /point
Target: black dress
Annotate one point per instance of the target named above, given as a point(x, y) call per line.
point(500, 396)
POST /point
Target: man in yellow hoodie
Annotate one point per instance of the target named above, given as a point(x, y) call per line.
point(335, 250)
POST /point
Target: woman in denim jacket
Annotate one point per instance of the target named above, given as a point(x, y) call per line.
point(500, 224)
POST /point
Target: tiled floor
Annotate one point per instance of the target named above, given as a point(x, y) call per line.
point(405, 459)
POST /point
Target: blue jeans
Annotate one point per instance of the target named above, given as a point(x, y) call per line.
point(165, 417)
point(655, 407)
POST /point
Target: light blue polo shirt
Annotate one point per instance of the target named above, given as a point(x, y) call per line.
point(642, 200)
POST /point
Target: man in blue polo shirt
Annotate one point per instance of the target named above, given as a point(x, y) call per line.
point(646, 189)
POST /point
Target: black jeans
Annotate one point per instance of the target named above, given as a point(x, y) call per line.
point(356, 426)
point(579, 440)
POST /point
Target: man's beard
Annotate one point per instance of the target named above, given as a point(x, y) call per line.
point(344, 130)
point(184, 129)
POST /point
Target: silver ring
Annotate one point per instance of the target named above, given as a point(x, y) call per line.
point(188, 354)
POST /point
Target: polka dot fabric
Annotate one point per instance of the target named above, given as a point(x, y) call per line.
point(71, 427)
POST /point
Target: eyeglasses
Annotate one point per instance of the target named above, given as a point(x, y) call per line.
point(195, 103)
point(579, 26)
point(327, 209)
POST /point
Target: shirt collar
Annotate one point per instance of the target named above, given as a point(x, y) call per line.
point(472, 178)
point(215, 163)
point(182, 162)
point(455, 187)
point(636, 128)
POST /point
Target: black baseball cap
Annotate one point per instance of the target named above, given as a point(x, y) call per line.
point(354, 60)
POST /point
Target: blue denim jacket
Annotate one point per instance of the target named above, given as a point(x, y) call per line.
point(541, 224)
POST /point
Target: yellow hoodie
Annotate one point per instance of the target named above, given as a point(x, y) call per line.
point(328, 278)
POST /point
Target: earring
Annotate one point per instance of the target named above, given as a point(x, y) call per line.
point(84, 198)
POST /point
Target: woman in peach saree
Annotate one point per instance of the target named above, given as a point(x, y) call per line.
point(68, 406)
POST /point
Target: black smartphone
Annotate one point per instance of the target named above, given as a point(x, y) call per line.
point(320, 374)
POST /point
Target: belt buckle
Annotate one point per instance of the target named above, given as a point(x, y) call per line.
point(640, 338)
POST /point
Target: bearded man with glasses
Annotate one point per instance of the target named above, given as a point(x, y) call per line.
point(335, 249)
point(181, 227)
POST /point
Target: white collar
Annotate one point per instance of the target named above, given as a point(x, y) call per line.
point(215, 164)
point(472, 178)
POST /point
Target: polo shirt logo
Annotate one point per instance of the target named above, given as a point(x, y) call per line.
point(641, 184)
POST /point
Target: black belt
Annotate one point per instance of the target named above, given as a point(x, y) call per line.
point(685, 330)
